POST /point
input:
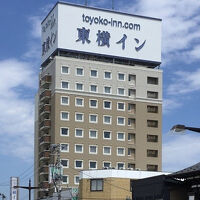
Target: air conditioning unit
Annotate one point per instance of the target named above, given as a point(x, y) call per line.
point(130, 168)
point(137, 169)
point(121, 168)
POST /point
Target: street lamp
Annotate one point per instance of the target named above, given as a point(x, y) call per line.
point(180, 128)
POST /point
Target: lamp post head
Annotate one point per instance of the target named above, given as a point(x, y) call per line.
point(178, 128)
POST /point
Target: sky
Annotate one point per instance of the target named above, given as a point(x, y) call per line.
point(20, 53)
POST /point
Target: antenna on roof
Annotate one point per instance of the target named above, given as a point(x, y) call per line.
point(112, 4)
point(86, 2)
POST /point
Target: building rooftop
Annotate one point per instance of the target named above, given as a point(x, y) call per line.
point(193, 170)
point(113, 173)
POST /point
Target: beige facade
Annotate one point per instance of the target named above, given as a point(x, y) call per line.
point(104, 115)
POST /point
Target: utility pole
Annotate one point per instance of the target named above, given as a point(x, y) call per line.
point(3, 196)
point(29, 188)
point(86, 2)
point(56, 174)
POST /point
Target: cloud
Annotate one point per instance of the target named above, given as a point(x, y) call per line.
point(99, 3)
point(184, 82)
point(180, 151)
point(180, 25)
point(17, 87)
point(35, 22)
point(170, 104)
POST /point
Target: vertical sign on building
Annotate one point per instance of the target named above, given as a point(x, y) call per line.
point(14, 191)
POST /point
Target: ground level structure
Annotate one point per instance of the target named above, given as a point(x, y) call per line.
point(181, 185)
point(110, 183)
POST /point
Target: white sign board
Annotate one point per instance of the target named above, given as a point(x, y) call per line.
point(102, 32)
point(13, 191)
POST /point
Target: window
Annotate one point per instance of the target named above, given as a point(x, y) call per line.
point(76, 179)
point(120, 136)
point(107, 105)
point(131, 152)
point(78, 132)
point(93, 103)
point(96, 184)
point(92, 164)
point(93, 118)
point(64, 147)
point(131, 137)
point(131, 122)
point(93, 134)
point(152, 109)
point(78, 148)
point(78, 164)
point(107, 135)
point(79, 102)
point(152, 80)
point(93, 149)
point(131, 92)
point(131, 108)
point(120, 165)
point(106, 164)
point(107, 90)
point(107, 150)
point(64, 115)
point(120, 151)
point(64, 163)
point(131, 165)
point(64, 131)
point(64, 100)
point(152, 167)
point(152, 138)
point(132, 79)
point(107, 75)
point(93, 88)
point(79, 117)
point(79, 86)
point(65, 179)
point(79, 71)
point(64, 85)
point(121, 77)
point(152, 95)
point(121, 121)
point(93, 73)
point(152, 153)
point(152, 123)
point(107, 119)
point(120, 106)
point(121, 91)
point(65, 70)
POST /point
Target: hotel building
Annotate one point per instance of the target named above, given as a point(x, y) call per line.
point(103, 106)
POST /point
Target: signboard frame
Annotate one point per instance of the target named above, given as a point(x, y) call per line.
point(142, 44)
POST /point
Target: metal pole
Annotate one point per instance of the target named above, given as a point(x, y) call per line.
point(29, 190)
point(85, 2)
point(112, 4)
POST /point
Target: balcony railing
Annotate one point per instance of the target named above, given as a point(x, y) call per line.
point(46, 94)
point(44, 185)
point(45, 154)
point(45, 139)
point(44, 170)
point(45, 124)
point(45, 81)
point(46, 108)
